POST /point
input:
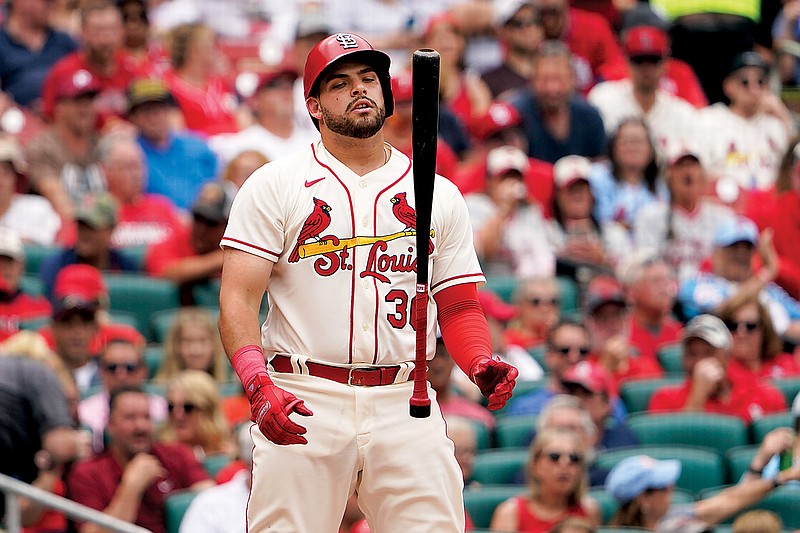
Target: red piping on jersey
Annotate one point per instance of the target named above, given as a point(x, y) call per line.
point(454, 277)
point(353, 251)
point(270, 252)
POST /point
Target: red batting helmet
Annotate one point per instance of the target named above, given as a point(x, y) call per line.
point(351, 46)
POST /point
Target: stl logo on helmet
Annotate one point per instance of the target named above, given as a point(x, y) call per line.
point(346, 40)
point(334, 252)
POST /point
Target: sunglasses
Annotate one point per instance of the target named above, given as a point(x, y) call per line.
point(746, 82)
point(187, 408)
point(128, 367)
point(646, 60)
point(544, 301)
point(746, 326)
point(565, 350)
point(555, 457)
point(523, 22)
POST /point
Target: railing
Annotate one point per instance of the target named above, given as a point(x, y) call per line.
point(14, 488)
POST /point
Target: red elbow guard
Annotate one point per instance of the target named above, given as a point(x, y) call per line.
point(463, 325)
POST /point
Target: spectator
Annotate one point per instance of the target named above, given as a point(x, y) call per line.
point(668, 117)
point(63, 158)
point(134, 476)
point(193, 257)
point(96, 219)
point(743, 142)
point(101, 55)
point(240, 168)
point(643, 487)
point(538, 302)
point(757, 349)
point(145, 55)
point(273, 133)
point(451, 402)
point(178, 164)
point(144, 218)
point(785, 34)
point(733, 278)
point(506, 226)
point(629, 180)
point(207, 104)
point(556, 474)
point(709, 387)
point(461, 431)
point(193, 343)
point(519, 33)
point(758, 521)
point(222, 509)
point(195, 417)
point(29, 215)
point(16, 304)
point(583, 245)
point(29, 47)
point(650, 291)
point(780, 450)
point(682, 228)
point(558, 123)
point(121, 365)
point(574, 525)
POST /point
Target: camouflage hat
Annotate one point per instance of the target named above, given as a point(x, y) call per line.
point(98, 211)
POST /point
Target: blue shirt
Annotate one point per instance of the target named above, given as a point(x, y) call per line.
point(22, 71)
point(179, 170)
point(534, 402)
point(118, 262)
point(587, 136)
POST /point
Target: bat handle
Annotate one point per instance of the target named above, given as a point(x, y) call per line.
point(420, 403)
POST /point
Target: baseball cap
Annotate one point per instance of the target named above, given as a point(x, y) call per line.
point(84, 281)
point(71, 304)
point(603, 290)
point(494, 307)
point(709, 328)
point(213, 203)
point(11, 244)
point(266, 79)
point(737, 229)
point(591, 377)
point(504, 159)
point(634, 475)
point(69, 83)
point(646, 41)
point(748, 59)
point(98, 211)
point(504, 10)
point(571, 169)
point(11, 151)
point(312, 21)
point(148, 91)
point(402, 86)
point(498, 117)
point(679, 151)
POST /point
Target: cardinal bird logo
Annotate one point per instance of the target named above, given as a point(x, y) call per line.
point(317, 222)
point(406, 214)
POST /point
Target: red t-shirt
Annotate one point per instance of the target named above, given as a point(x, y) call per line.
point(749, 400)
point(530, 523)
point(112, 101)
point(638, 368)
point(679, 79)
point(207, 111)
point(21, 307)
point(151, 219)
point(782, 365)
point(590, 38)
point(161, 255)
point(94, 481)
point(648, 342)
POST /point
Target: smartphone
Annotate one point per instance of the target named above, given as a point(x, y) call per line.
point(786, 460)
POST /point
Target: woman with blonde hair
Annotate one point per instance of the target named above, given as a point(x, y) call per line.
point(557, 484)
point(193, 343)
point(195, 417)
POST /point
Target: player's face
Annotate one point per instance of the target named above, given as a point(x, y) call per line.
point(350, 101)
point(129, 424)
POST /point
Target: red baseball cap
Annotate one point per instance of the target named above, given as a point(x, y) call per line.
point(267, 78)
point(499, 116)
point(603, 290)
point(591, 377)
point(74, 83)
point(646, 41)
point(83, 281)
point(495, 307)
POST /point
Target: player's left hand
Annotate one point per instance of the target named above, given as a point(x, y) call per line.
point(496, 379)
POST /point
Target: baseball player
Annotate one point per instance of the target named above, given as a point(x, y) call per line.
point(327, 232)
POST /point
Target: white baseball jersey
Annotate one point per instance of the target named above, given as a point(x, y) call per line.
point(344, 246)
point(747, 150)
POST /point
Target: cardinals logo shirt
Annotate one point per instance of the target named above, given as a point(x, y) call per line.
point(344, 248)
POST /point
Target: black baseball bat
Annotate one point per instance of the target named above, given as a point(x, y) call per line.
point(424, 132)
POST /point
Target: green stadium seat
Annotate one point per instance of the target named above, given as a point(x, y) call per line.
point(159, 389)
point(538, 352)
point(635, 393)
point(701, 467)
point(737, 461)
point(31, 284)
point(35, 255)
point(483, 437)
point(481, 501)
point(499, 467)
point(503, 286)
point(142, 295)
point(514, 431)
point(127, 318)
point(135, 253)
point(719, 432)
point(569, 291)
point(175, 507)
point(760, 427)
point(34, 324)
point(231, 389)
point(670, 357)
point(608, 505)
point(783, 501)
point(153, 355)
point(214, 463)
point(790, 387)
point(206, 294)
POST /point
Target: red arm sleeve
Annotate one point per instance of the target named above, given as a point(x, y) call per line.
point(463, 324)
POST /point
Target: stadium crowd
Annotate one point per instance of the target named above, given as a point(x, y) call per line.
point(632, 174)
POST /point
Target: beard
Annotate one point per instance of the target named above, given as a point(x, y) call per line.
point(360, 128)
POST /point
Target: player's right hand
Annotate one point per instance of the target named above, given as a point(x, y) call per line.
point(270, 407)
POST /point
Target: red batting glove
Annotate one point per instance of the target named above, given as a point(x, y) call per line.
point(496, 380)
point(270, 407)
